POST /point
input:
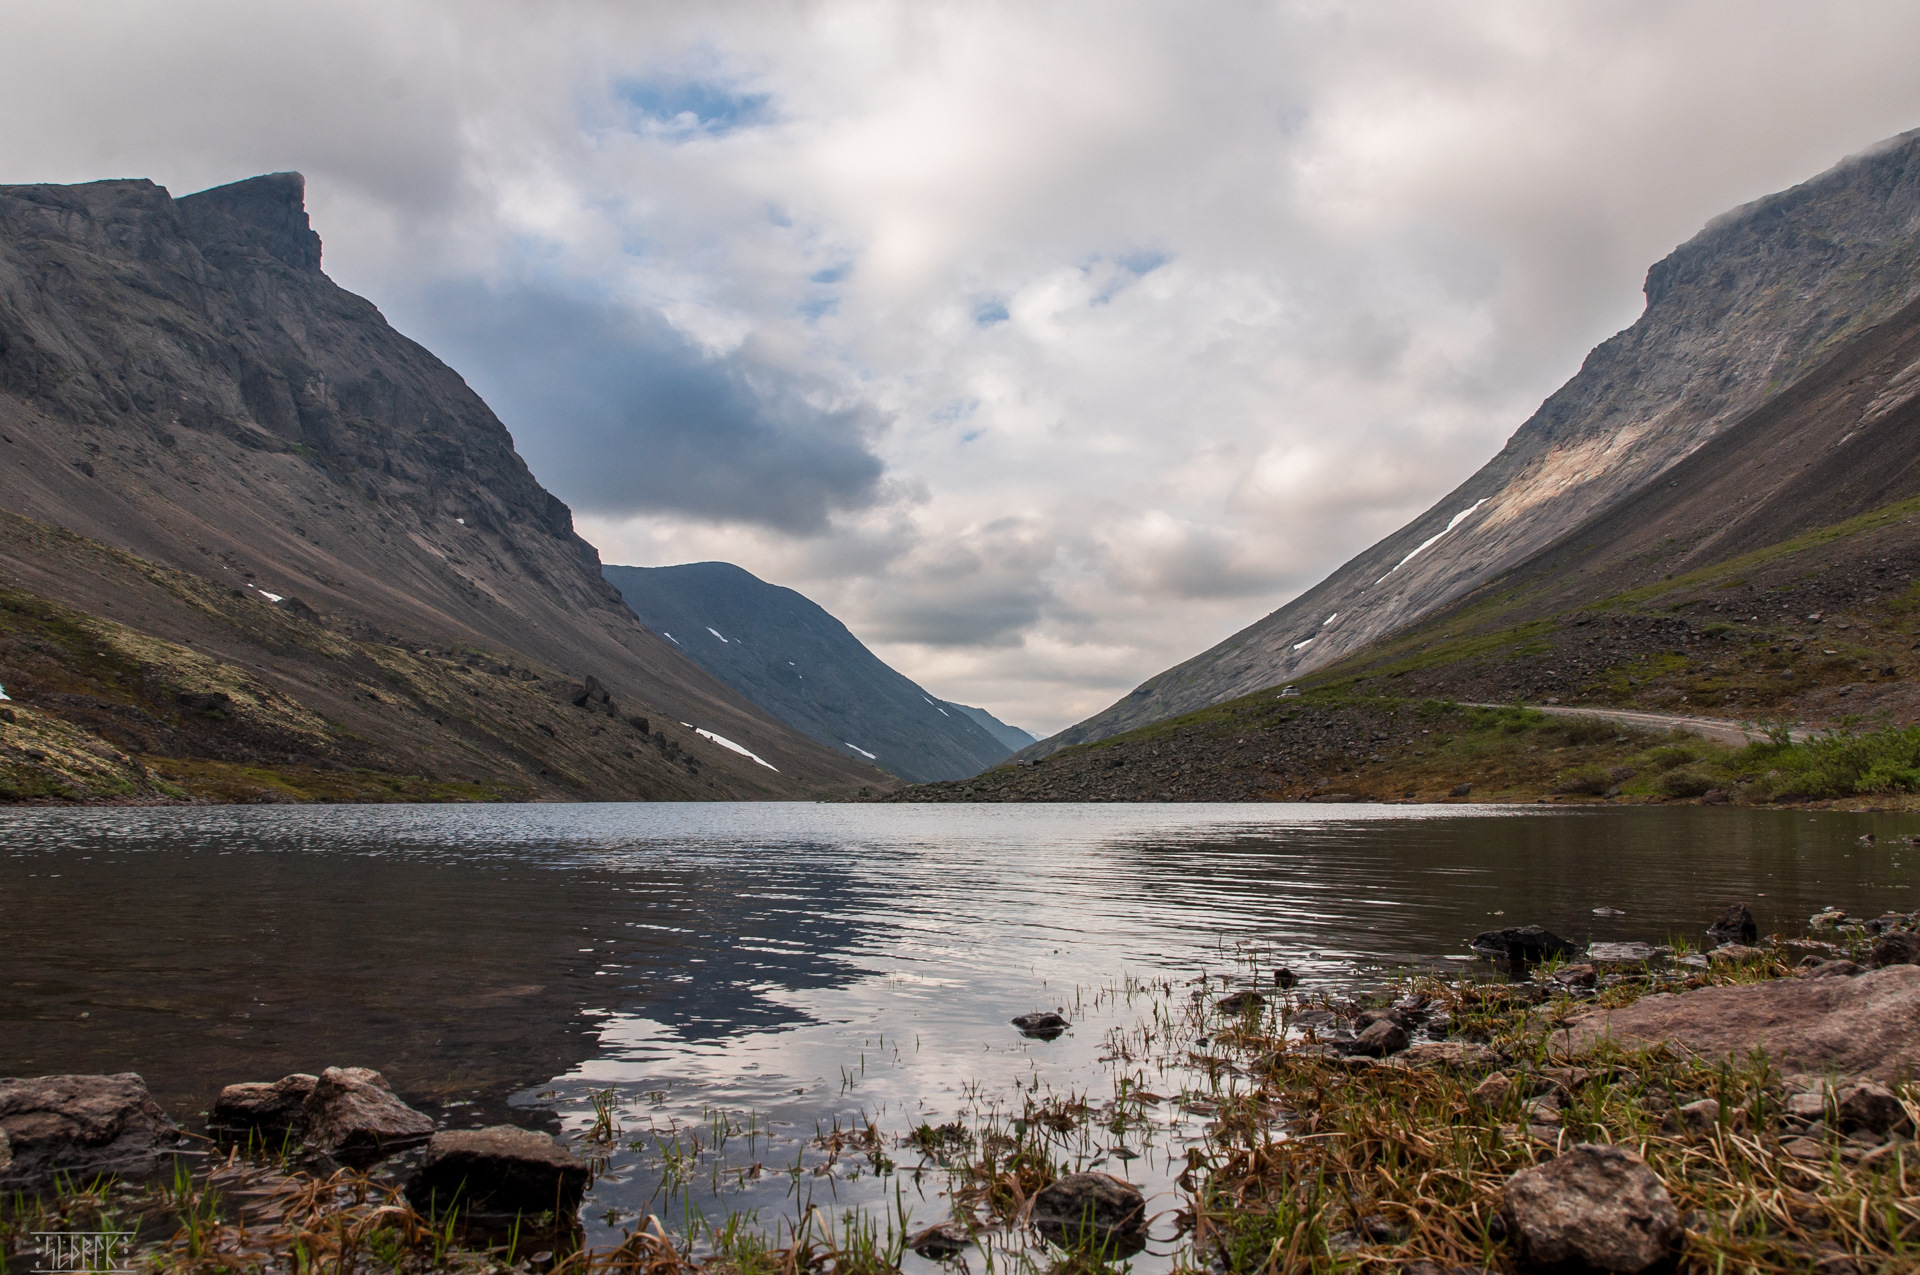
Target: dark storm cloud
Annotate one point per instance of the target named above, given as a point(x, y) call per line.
point(620, 413)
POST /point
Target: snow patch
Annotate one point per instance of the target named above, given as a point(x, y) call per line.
point(1330, 619)
point(1298, 645)
point(727, 743)
point(3, 693)
point(936, 708)
point(676, 641)
point(1431, 541)
point(863, 752)
point(271, 597)
point(715, 632)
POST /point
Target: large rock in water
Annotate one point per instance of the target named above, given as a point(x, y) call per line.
point(1867, 1026)
point(353, 1115)
point(1092, 1210)
point(1735, 925)
point(1594, 1208)
point(269, 1113)
point(499, 1171)
point(79, 1126)
point(1526, 944)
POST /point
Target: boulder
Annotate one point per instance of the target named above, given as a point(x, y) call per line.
point(1867, 1027)
point(1582, 975)
point(1382, 1037)
point(1896, 947)
point(1526, 944)
point(79, 1126)
point(1701, 1116)
point(1284, 978)
point(1041, 1026)
point(268, 1112)
point(1593, 1208)
point(498, 1172)
point(1493, 1093)
point(353, 1115)
point(1092, 1210)
point(1735, 925)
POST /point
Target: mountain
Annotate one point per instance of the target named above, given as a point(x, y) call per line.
point(1771, 575)
point(1012, 736)
point(789, 656)
point(1750, 305)
point(258, 545)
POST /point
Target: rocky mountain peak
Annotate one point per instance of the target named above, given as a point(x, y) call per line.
point(261, 214)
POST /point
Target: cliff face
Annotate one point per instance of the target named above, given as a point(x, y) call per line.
point(180, 382)
point(788, 655)
point(1758, 298)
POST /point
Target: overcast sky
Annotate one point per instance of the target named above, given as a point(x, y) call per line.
point(1044, 344)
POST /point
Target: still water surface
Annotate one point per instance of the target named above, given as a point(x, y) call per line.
point(774, 969)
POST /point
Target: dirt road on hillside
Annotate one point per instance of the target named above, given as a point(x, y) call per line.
point(1718, 728)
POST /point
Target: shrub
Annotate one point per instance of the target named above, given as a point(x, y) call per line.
point(1592, 780)
point(1687, 781)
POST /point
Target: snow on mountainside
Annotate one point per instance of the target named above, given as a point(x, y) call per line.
point(793, 659)
point(1738, 312)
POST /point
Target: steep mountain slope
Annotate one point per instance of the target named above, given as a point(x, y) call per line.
point(247, 463)
point(788, 655)
point(1012, 736)
point(1743, 309)
point(1773, 575)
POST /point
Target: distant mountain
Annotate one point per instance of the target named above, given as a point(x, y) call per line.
point(1747, 307)
point(1012, 736)
point(257, 541)
point(793, 659)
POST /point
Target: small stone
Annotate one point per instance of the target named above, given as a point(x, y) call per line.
point(1590, 1208)
point(1733, 953)
point(1380, 1039)
point(1870, 1106)
point(1041, 1026)
point(353, 1115)
point(1492, 1093)
point(1576, 976)
point(1896, 947)
point(1285, 978)
point(1092, 1210)
point(1807, 1106)
point(1625, 953)
point(1459, 1055)
point(1814, 967)
point(941, 1241)
point(1460, 790)
point(1241, 1003)
point(1734, 925)
point(1542, 1111)
point(1804, 1149)
point(498, 1172)
point(1701, 1116)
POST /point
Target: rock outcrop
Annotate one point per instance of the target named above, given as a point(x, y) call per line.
point(1867, 1027)
point(354, 1116)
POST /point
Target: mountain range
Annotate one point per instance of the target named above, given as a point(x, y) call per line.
point(790, 657)
point(258, 545)
point(1735, 318)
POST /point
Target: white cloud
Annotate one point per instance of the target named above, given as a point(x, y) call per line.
point(1151, 313)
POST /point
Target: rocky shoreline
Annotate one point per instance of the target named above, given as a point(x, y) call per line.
point(1620, 1107)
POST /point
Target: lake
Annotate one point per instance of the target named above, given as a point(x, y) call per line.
point(755, 976)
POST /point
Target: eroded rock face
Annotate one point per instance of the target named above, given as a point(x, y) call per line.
point(354, 1116)
point(1868, 1027)
point(270, 1112)
point(1092, 1210)
point(498, 1171)
point(1594, 1208)
point(80, 1126)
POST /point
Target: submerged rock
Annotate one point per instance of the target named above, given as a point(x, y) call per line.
point(1735, 925)
point(1867, 1026)
point(941, 1241)
point(271, 1112)
point(1092, 1210)
point(1285, 978)
point(354, 1116)
point(1241, 1003)
point(1593, 1208)
point(498, 1172)
point(1625, 953)
point(1041, 1026)
point(80, 1126)
point(1526, 944)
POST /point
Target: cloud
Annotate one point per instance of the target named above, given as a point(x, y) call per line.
point(1044, 344)
point(619, 410)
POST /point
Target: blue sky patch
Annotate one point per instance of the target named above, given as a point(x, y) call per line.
point(694, 105)
point(988, 313)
